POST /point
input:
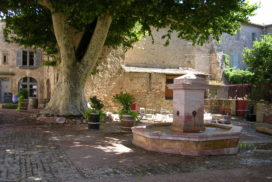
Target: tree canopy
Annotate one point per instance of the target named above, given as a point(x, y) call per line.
point(29, 23)
point(259, 59)
point(76, 32)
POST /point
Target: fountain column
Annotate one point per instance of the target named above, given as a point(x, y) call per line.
point(188, 103)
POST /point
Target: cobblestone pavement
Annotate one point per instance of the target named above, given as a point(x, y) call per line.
point(27, 155)
point(32, 152)
point(30, 156)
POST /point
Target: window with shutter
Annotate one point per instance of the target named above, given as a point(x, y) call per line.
point(28, 59)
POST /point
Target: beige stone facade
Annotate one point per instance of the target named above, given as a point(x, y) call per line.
point(146, 69)
point(12, 72)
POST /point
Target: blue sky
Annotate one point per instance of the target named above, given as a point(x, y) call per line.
point(264, 13)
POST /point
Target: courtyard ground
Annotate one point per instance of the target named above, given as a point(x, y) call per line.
point(33, 151)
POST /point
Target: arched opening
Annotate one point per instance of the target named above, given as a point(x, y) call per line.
point(30, 84)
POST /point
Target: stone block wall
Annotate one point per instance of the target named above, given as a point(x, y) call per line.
point(179, 53)
point(263, 109)
point(147, 88)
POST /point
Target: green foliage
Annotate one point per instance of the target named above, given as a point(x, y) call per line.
point(125, 99)
point(9, 106)
point(96, 103)
point(23, 92)
point(20, 100)
point(259, 59)
point(226, 60)
point(49, 63)
point(30, 24)
point(237, 76)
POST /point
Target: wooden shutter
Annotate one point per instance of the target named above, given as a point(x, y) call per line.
point(19, 58)
point(37, 58)
point(169, 92)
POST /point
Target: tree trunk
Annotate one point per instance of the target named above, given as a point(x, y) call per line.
point(68, 97)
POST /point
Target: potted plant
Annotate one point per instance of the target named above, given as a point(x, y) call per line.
point(22, 99)
point(95, 115)
point(126, 115)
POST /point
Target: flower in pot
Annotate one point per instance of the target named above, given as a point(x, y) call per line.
point(95, 115)
point(126, 115)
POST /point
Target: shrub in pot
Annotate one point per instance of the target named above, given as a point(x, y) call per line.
point(126, 115)
point(95, 115)
point(22, 99)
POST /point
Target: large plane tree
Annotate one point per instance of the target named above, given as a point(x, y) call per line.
point(77, 30)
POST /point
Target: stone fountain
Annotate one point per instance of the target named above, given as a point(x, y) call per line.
point(188, 135)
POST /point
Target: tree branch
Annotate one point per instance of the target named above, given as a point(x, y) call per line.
point(97, 41)
point(64, 35)
point(46, 3)
point(177, 22)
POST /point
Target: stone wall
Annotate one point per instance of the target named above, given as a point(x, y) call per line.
point(262, 109)
point(179, 53)
point(268, 29)
point(147, 88)
point(105, 83)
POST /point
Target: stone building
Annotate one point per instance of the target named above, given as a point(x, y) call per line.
point(234, 45)
point(20, 68)
point(144, 71)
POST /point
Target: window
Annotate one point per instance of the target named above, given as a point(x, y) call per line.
point(169, 92)
point(30, 84)
point(5, 59)
point(237, 37)
point(253, 35)
point(235, 61)
point(28, 58)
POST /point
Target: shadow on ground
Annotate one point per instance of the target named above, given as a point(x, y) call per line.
point(32, 151)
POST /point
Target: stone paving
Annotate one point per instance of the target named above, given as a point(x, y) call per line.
point(30, 156)
point(33, 152)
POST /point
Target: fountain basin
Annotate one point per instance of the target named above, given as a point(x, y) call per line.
point(212, 141)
